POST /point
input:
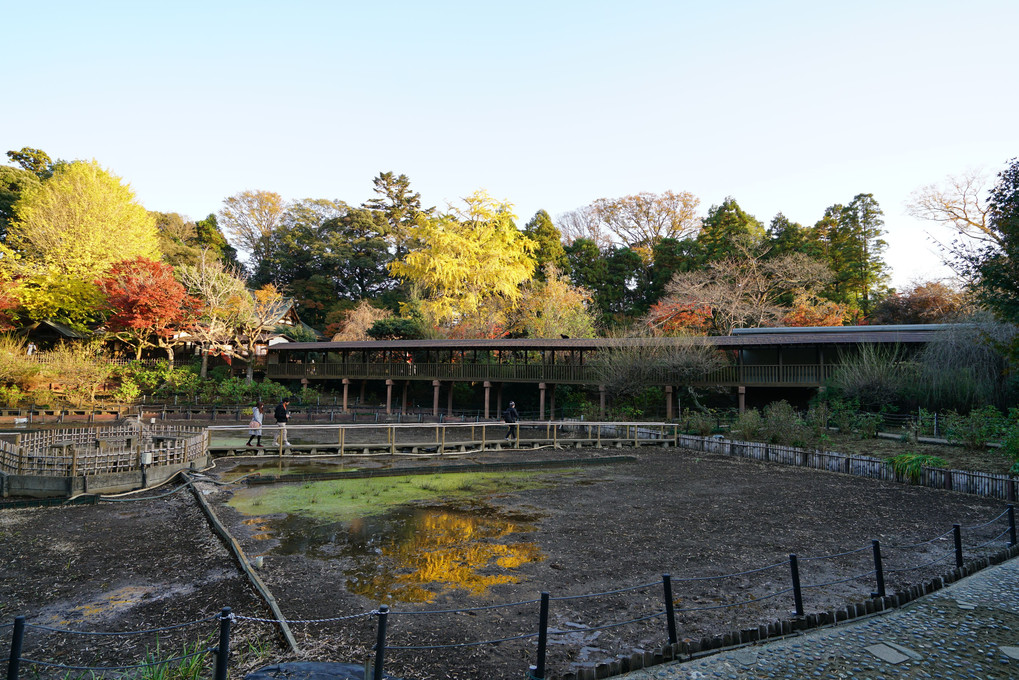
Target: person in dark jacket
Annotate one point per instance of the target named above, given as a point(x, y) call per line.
point(511, 416)
point(282, 415)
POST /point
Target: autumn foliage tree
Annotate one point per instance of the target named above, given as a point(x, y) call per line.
point(146, 306)
point(809, 310)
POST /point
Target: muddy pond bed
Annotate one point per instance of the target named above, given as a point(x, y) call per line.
point(432, 547)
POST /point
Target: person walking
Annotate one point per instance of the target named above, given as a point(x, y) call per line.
point(255, 426)
point(511, 416)
point(282, 415)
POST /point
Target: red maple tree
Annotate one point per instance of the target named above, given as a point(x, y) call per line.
point(146, 306)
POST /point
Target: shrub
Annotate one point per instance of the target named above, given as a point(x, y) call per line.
point(866, 424)
point(818, 418)
point(749, 425)
point(81, 368)
point(128, 392)
point(1010, 440)
point(701, 423)
point(11, 395)
point(976, 429)
point(910, 465)
point(781, 423)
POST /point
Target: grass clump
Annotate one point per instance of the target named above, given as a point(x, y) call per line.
point(910, 465)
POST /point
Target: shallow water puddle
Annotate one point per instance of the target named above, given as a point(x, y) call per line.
point(406, 538)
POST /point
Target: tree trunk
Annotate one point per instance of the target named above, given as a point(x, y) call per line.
point(204, 373)
point(138, 352)
point(169, 355)
point(249, 373)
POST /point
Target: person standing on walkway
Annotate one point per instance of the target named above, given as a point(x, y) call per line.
point(511, 416)
point(255, 426)
point(282, 415)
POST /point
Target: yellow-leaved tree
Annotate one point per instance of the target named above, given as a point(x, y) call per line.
point(79, 222)
point(463, 259)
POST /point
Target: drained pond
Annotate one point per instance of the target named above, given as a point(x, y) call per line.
point(404, 538)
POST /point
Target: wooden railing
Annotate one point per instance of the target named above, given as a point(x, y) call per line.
point(762, 374)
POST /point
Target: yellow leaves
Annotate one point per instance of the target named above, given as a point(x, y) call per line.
point(466, 257)
point(80, 221)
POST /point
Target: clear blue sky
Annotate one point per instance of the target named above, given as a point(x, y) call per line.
point(786, 106)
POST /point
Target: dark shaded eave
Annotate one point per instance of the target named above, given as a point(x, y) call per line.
point(848, 335)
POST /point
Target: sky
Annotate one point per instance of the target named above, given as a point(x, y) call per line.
point(786, 106)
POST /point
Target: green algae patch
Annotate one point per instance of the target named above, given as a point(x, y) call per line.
point(349, 499)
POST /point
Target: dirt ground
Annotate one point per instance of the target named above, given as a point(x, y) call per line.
point(600, 528)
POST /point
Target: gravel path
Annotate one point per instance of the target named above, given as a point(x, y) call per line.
point(969, 629)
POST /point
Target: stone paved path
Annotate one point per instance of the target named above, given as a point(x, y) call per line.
point(969, 629)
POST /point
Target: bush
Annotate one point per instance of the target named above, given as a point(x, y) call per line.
point(701, 423)
point(1010, 440)
point(11, 395)
point(749, 425)
point(910, 465)
point(976, 429)
point(818, 418)
point(781, 423)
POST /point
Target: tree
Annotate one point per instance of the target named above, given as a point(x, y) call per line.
point(551, 307)
point(808, 310)
point(994, 266)
point(642, 220)
point(35, 161)
point(251, 315)
point(725, 225)
point(359, 321)
point(146, 306)
point(49, 294)
point(549, 243)
point(868, 274)
point(745, 288)
point(396, 209)
point(956, 203)
point(465, 257)
point(922, 302)
point(78, 223)
point(250, 218)
point(583, 223)
point(785, 236)
point(221, 291)
point(208, 236)
point(13, 183)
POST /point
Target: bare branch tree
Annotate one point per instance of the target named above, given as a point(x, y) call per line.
point(956, 203)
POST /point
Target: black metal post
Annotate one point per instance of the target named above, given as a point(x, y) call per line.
point(17, 640)
point(223, 650)
point(878, 569)
point(380, 642)
point(539, 673)
point(670, 610)
point(957, 534)
point(794, 567)
point(1011, 525)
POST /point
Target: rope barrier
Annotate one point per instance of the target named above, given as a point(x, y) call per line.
point(844, 580)
point(735, 604)
point(919, 545)
point(842, 554)
point(607, 626)
point(464, 644)
point(738, 573)
point(459, 611)
point(996, 538)
point(607, 592)
point(162, 662)
point(981, 526)
point(922, 566)
point(214, 617)
point(289, 621)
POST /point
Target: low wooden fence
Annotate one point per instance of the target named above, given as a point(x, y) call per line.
point(88, 451)
point(1000, 486)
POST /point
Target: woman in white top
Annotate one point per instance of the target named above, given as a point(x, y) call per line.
point(255, 426)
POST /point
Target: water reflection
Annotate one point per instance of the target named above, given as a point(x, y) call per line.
point(413, 554)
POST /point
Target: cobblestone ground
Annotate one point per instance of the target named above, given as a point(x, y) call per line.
point(969, 629)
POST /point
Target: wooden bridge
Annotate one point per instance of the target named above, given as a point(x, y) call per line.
point(758, 358)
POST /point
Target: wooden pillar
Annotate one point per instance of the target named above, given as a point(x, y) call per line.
point(403, 405)
point(488, 396)
point(346, 389)
point(551, 402)
point(668, 402)
point(449, 401)
point(541, 401)
point(601, 400)
point(742, 398)
point(498, 401)
point(389, 396)
point(435, 398)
